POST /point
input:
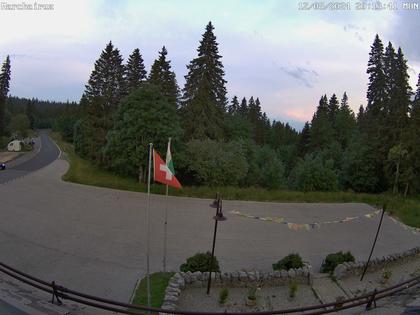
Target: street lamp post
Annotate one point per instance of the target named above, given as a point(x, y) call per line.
point(218, 217)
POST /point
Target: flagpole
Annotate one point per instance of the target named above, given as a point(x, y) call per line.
point(165, 224)
point(165, 229)
point(149, 304)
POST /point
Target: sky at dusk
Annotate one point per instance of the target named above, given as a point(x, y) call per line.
point(272, 50)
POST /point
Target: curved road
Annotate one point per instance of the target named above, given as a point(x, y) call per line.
point(47, 153)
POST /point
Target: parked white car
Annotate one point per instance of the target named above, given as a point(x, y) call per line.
point(14, 146)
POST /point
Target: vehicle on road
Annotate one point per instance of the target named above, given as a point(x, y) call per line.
point(15, 146)
point(2, 166)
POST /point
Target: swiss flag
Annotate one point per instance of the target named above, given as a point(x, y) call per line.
point(162, 173)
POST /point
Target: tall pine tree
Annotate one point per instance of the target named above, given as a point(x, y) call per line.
point(396, 130)
point(322, 132)
point(164, 78)
point(304, 140)
point(107, 79)
point(375, 112)
point(31, 112)
point(4, 90)
point(414, 143)
point(233, 108)
point(243, 108)
point(345, 122)
point(333, 106)
point(105, 88)
point(376, 94)
point(204, 94)
point(390, 63)
point(399, 99)
point(135, 72)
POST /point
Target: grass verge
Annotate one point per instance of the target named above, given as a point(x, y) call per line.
point(158, 283)
point(85, 172)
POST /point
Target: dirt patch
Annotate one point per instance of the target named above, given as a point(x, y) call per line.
point(9, 156)
point(268, 298)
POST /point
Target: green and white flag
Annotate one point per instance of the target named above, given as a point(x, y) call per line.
point(169, 162)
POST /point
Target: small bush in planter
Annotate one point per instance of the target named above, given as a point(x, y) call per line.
point(293, 287)
point(223, 295)
point(200, 262)
point(333, 260)
point(291, 261)
point(386, 275)
point(251, 297)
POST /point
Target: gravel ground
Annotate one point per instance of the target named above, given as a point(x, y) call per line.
point(268, 298)
point(399, 272)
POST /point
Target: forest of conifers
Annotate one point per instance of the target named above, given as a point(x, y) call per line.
point(221, 142)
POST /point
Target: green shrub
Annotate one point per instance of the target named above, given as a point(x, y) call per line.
point(293, 287)
point(386, 275)
point(200, 262)
point(216, 163)
point(332, 260)
point(314, 174)
point(291, 261)
point(223, 295)
point(252, 293)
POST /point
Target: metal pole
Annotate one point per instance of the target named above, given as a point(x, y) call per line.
point(165, 227)
point(214, 244)
point(149, 304)
point(374, 243)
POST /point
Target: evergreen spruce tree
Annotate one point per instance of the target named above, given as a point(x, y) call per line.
point(105, 88)
point(376, 94)
point(234, 106)
point(4, 90)
point(163, 77)
point(375, 112)
point(399, 170)
point(390, 63)
point(30, 111)
point(255, 117)
point(322, 132)
point(360, 115)
point(304, 140)
point(243, 108)
point(399, 99)
point(333, 107)
point(417, 94)
point(252, 112)
point(345, 122)
point(412, 176)
point(135, 72)
point(107, 79)
point(204, 94)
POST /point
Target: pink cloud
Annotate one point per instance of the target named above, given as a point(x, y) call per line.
point(300, 114)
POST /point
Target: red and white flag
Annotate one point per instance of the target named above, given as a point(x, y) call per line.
point(162, 173)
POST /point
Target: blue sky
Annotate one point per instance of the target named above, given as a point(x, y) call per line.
point(271, 49)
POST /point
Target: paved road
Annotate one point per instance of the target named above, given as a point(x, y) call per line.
point(92, 239)
point(45, 152)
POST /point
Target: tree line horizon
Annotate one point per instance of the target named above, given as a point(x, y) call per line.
point(221, 142)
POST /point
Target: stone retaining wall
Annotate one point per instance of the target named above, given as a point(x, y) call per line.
point(235, 279)
point(356, 268)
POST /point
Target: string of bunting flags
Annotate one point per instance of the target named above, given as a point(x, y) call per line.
point(302, 226)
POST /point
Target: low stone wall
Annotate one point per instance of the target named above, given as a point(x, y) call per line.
point(356, 268)
point(235, 279)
